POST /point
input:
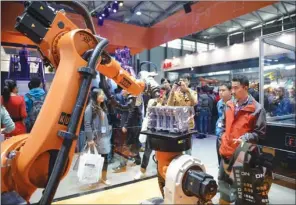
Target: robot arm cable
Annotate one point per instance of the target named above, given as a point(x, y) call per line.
point(97, 53)
point(62, 157)
point(81, 9)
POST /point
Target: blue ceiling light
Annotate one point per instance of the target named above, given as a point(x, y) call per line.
point(115, 6)
point(100, 21)
point(106, 12)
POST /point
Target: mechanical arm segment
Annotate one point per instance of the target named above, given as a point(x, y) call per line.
point(43, 157)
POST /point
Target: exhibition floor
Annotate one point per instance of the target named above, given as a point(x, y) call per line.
point(124, 191)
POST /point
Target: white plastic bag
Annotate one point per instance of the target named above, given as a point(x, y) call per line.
point(90, 167)
point(142, 137)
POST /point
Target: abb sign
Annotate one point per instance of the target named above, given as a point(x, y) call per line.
point(171, 63)
point(167, 65)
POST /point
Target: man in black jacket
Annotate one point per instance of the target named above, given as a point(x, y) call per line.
point(131, 122)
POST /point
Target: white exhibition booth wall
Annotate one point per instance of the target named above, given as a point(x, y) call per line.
point(236, 52)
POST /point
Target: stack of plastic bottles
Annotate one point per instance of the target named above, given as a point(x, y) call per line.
point(170, 119)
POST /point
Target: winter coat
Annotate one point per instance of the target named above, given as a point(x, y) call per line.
point(249, 125)
point(98, 130)
point(283, 107)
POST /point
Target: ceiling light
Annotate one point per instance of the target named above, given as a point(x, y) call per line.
point(103, 14)
point(248, 23)
point(231, 29)
point(257, 27)
point(100, 21)
point(290, 67)
point(271, 67)
point(235, 33)
point(138, 13)
point(270, 22)
point(115, 6)
point(114, 10)
point(120, 3)
point(106, 12)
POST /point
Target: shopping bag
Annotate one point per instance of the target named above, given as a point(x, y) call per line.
point(76, 164)
point(251, 186)
point(90, 167)
point(142, 137)
point(249, 177)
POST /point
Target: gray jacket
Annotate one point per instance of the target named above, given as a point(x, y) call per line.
point(93, 127)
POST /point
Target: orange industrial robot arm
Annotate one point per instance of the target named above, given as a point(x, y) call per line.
point(43, 157)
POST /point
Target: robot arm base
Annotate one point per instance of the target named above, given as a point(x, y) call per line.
point(187, 182)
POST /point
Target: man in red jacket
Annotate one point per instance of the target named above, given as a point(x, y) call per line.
point(244, 120)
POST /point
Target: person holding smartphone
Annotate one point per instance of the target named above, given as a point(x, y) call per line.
point(182, 95)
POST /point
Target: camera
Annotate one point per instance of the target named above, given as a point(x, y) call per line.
point(178, 83)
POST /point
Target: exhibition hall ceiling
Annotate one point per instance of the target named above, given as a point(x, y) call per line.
point(140, 13)
point(149, 13)
point(267, 17)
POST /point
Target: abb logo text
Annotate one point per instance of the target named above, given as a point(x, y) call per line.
point(167, 65)
point(171, 63)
